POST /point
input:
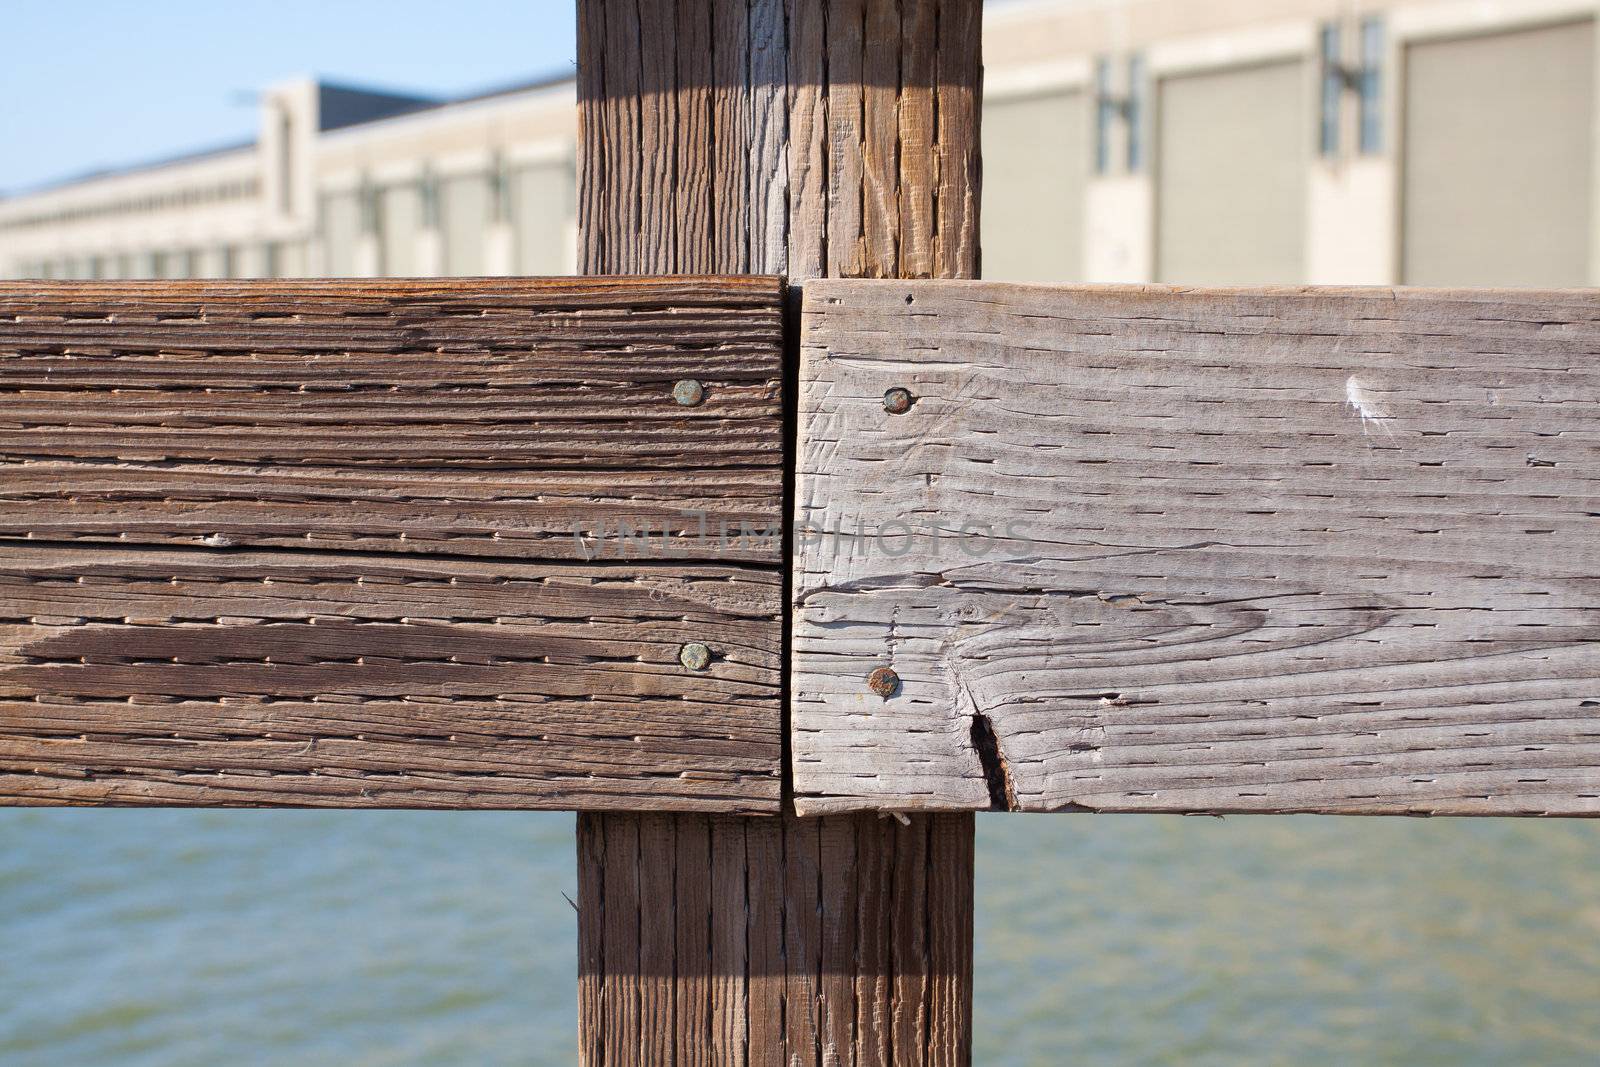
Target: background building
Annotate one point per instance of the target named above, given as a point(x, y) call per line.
point(340, 182)
point(1432, 142)
point(1424, 142)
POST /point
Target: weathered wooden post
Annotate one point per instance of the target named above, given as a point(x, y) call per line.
point(1275, 550)
point(812, 138)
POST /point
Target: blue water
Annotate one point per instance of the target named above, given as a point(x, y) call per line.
point(417, 938)
point(279, 937)
point(1287, 940)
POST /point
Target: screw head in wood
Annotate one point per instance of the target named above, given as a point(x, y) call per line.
point(689, 393)
point(897, 401)
point(695, 656)
point(884, 682)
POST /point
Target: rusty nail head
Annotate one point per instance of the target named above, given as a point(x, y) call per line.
point(884, 682)
point(689, 393)
point(897, 401)
point(695, 656)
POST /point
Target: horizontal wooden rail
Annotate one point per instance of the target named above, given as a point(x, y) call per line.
point(1154, 549)
point(513, 544)
point(457, 544)
point(527, 419)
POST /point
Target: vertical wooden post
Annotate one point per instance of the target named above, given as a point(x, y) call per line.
point(813, 138)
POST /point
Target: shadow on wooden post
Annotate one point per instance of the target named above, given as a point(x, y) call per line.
point(810, 138)
point(733, 939)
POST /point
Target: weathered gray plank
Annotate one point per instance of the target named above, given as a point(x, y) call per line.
point(249, 678)
point(1272, 550)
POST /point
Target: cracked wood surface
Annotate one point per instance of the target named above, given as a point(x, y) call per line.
point(775, 941)
point(805, 137)
point(527, 418)
point(796, 137)
point(1201, 551)
point(393, 544)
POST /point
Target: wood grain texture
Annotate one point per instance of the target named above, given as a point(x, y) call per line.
point(390, 544)
point(355, 680)
point(525, 419)
point(1153, 549)
point(812, 137)
point(823, 943)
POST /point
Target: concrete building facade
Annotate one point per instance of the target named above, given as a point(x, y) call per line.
point(339, 182)
point(1429, 142)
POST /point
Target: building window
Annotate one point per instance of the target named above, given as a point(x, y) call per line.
point(1371, 86)
point(1133, 113)
point(1364, 80)
point(1105, 112)
point(367, 199)
point(1332, 91)
point(429, 187)
point(1128, 108)
point(499, 190)
point(285, 161)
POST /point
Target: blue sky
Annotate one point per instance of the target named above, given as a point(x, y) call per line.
point(96, 83)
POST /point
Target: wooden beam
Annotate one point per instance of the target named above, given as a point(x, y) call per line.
point(528, 419)
point(760, 940)
point(805, 137)
point(1158, 549)
point(390, 544)
point(809, 138)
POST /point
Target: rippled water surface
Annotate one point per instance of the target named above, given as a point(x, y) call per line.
point(1287, 940)
point(412, 938)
